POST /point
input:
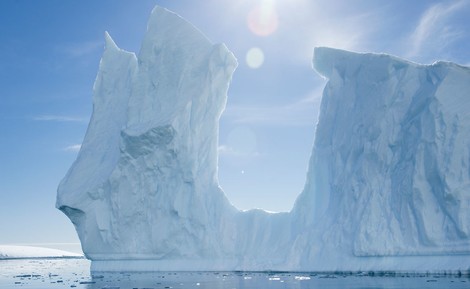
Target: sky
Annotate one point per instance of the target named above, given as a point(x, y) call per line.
point(50, 52)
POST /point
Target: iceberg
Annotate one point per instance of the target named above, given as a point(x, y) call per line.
point(388, 183)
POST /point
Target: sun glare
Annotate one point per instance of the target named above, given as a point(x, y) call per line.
point(263, 19)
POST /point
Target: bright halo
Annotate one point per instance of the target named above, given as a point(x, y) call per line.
point(254, 57)
point(263, 19)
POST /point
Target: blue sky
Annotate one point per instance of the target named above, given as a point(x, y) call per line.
point(50, 52)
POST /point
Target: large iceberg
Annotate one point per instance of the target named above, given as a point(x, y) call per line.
point(388, 185)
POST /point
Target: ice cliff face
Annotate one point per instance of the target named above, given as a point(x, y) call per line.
point(145, 181)
point(390, 168)
point(388, 185)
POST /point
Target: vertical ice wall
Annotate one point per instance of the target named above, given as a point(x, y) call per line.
point(145, 180)
point(80, 194)
point(390, 168)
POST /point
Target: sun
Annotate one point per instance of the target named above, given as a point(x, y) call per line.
point(263, 18)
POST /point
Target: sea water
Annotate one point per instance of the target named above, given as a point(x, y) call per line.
point(75, 273)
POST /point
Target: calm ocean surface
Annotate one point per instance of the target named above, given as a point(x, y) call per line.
point(74, 273)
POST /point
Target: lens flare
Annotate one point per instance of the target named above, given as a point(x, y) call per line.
point(254, 57)
point(263, 19)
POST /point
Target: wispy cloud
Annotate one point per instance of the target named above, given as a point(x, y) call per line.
point(326, 23)
point(73, 148)
point(434, 31)
point(60, 118)
point(82, 48)
point(303, 112)
point(226, 150)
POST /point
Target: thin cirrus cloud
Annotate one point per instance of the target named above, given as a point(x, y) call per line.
point(303, 112)
point(340, 28)
point(227, 150)
point(73, 148)
point(60, 118)
point(81, 49)
point(434, 31)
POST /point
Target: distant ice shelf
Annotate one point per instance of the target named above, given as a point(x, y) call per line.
point(8, 252)
point(387, 189)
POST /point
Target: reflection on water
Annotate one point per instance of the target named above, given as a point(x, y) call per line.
point(74, 273)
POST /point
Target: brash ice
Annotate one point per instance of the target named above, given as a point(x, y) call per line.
point(388, 185)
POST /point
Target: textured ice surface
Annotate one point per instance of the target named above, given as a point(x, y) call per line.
point(387, 186)
point(144, 184)
point(389, 174)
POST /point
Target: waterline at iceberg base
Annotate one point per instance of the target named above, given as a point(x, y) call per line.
point(387, 189)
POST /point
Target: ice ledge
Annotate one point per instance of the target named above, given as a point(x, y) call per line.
point(326, 59)
point(409, 264)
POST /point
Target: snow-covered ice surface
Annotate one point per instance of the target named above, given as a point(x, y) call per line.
point(387, 189)
point(74, 273)
point(29, 252)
